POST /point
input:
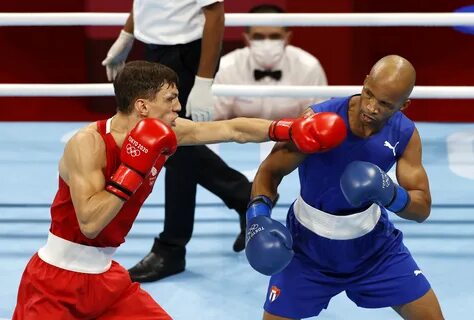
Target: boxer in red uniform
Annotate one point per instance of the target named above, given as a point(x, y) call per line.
point(105, 174)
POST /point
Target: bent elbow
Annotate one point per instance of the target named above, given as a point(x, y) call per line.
point(421, 219)
point(89, 230)
point(423, 216)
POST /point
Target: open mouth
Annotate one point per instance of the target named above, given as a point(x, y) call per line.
point(366, 118)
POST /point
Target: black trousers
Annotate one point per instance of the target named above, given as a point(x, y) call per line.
point(192, 165)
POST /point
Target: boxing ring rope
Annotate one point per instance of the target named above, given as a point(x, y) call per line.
point(244, 19)
point(106, 89)
point(254, 19)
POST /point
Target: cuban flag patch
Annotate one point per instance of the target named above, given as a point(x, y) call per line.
point(274, 293)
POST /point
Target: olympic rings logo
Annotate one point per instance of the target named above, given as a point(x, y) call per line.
point(132, 151)
point(253, 227)
point(252, 231)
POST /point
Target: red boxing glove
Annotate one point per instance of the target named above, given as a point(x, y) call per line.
point(150, 140)
point(318, 132)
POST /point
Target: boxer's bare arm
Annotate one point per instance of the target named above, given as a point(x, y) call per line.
point(412, 176)
point(283, 160)
point(81, 168)
point(239, 130)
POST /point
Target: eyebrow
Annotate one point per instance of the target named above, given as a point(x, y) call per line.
point(171, 94)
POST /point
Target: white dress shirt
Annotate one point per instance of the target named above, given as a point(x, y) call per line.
point(298, 67)
point(169, 22)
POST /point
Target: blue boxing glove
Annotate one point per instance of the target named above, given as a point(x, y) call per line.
point(363, 182)
point(268, 242)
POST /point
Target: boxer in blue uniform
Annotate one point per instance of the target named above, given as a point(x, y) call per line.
point(338, 235)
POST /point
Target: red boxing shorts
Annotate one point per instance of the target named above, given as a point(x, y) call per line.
point(50, 292)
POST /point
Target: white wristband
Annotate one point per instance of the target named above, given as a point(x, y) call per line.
point(126, 36)
point(205, 82)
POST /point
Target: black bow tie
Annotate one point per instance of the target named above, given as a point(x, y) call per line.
point(259, 74)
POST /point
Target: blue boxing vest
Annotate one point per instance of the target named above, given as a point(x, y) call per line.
point(320, 173)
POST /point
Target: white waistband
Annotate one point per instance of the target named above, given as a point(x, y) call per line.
point(336, 227)
point(76, 257)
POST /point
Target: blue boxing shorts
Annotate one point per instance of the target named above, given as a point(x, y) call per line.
point(361, 254)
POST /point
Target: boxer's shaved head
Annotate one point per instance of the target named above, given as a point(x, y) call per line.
point(396, 73)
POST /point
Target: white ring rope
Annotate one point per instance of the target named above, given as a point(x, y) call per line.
point(254, 19)
point(242, 19)
point(420, 92)
point(57, 90)
point(106, 89)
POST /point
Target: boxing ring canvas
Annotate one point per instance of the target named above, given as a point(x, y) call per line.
point(218, 283)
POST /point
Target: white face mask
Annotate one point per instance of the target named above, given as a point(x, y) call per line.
point(267, 53)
